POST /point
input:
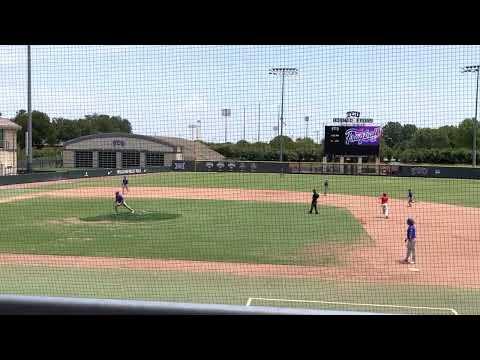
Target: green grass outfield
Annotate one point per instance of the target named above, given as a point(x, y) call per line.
point(234, 231)
point(449, 191)
point(219, 288)
point(215, 230)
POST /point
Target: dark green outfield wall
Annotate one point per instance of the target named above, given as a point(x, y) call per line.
point(255, 167)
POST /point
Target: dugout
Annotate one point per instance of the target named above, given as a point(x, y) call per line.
point(122, 150)
point(351, 164)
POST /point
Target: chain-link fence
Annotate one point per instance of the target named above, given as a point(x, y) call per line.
point(275, 176)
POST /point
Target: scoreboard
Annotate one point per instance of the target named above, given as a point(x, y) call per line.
point(352, 140)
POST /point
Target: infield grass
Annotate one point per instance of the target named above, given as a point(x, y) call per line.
point(233, 231)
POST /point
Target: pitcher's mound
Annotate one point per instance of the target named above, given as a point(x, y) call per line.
point(139, 215)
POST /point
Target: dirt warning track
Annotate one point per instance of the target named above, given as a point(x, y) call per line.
point(448, 246)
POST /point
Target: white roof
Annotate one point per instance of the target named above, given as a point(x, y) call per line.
point(8, 124)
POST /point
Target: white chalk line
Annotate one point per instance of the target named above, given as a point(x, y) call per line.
point(453, 311)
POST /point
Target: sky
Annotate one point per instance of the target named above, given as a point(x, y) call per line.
point(162, 90)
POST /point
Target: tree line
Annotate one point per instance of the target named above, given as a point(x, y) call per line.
point(301, 149)
point(447, 144)
point(406, 143)
point(52, 132)
point(402, 142)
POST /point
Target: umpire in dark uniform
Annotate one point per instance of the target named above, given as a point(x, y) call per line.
point(315, 197)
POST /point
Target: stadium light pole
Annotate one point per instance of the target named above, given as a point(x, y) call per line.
point(282, 71)
point(199, 126)
point(226, 113)
point(258, 135)
point(318, 142)
point(275, 129)
point(243, 123)
point(29, 141)
point(474, 68)
point(193, 127)
point(278, 121)
point(306, 130)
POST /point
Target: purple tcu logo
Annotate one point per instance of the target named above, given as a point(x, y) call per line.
point(179, 166)
point(118, 143)
point(353, 116)
point(363, 135)
point(419, 171)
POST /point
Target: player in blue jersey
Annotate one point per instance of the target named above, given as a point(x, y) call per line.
point(410, 240)
point(120, 201)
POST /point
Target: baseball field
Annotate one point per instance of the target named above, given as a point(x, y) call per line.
point(246, 239)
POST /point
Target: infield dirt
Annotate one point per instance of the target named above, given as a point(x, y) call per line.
point(448, 246)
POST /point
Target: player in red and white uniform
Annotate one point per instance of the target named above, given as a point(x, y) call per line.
point(384, 205)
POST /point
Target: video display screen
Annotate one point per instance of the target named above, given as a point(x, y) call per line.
point(352, 140)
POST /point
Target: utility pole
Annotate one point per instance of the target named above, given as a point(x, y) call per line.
point(29, 100)
point(282, 71)
point(243, 123)
point(258, 135)
point(474, 68)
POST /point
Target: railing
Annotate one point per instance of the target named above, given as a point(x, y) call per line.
point(40, 305)
point(253, 167)
point(8, 146)
point(7, 170)
point(453, 172)
point(41, 163)
point(292, 167)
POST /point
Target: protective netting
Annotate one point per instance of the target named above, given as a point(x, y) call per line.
point(192, 138)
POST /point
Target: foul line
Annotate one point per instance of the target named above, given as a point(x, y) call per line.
point(453, 311)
